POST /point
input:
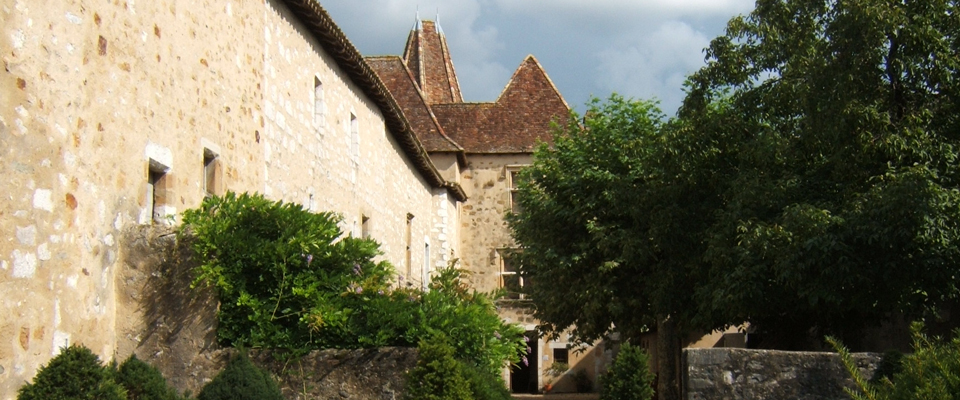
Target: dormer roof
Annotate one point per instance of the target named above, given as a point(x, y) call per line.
point(520, 118)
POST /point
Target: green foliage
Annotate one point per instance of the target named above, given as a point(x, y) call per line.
point(241, 380)
point(594, 218)
point(891, 363)
point(932, 372)
point(629, 378)
point(484, 386)
point(290, 279)
point(287, 278)
point(831, 129)
point(143, 381)
point(74, 374)
point(438, 375)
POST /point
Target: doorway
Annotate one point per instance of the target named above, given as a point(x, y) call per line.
point(524, 377)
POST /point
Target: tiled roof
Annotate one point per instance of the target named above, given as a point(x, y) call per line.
point(399, 80)
point(321, 26)
point(428, 56)
point(521, 116)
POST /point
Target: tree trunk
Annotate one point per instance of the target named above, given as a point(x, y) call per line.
point(668, 359)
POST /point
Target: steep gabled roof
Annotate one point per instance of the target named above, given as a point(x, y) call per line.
point(428, 56)
point(400, 81)
point(521, 116)
point(319, 23)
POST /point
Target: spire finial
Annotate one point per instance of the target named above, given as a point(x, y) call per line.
point(418, 25)
point(439, 29)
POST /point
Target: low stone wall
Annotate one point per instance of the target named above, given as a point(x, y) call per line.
point(768, 374)
point(172, 326)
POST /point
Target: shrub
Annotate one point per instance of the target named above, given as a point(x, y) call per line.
point(438, 375)
point(931, 372)
point(241, 380)
point(483, 386)
point(582, 381)
point(290, 279)
point(629, 377)
point(143, 381)
point(76, 373)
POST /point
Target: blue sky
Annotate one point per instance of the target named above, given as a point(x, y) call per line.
point(638, 48)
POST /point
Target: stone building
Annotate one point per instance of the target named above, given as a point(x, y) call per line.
point(115, 115)
point(482, 147)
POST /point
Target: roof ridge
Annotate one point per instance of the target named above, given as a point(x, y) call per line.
point(423, 98)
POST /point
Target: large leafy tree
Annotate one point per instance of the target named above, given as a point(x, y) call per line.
point(607, 239)
point(842, 120)
point(809, 183)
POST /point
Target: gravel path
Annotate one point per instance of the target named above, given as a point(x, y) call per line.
point(557, 396)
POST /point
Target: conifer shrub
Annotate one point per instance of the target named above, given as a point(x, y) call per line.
point(143, 381)
point(932, 372)
point(629, 378)
point(438, 375)
point(75, 374)
point(241, 380)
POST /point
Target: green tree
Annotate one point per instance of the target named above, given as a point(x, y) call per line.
point(628, 377)
point(75, 374)
point(617, 242)
point(241, 380)
point(835, 129)
point(808, 185)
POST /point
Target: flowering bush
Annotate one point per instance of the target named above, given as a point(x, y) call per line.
point(290, 279)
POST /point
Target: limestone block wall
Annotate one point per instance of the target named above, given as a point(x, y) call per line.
point(483, 223)
point(768, 374)
point(89, 92)
point(106, 105)
point(328, 148)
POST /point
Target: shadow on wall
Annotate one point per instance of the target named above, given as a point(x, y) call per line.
point(579, 377)
point(160, 317)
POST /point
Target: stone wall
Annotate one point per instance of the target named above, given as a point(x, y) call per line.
point(768, 374)
point(172, 326)
point(105, 103)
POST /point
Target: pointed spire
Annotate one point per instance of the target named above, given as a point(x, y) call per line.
point(418, 24)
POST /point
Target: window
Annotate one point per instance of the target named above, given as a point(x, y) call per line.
point(319, 107)
point(158, 190)
point(561, 356)
point(364, 226)
point(211, 173)
point(510, 279)
point(354, 139)
point(425, 282)
point(409, 248)
point(513, 183)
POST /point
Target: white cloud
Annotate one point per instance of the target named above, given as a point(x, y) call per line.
point(655, 65)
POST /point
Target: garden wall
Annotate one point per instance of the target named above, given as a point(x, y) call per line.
point(726, 373)
point(172, 326)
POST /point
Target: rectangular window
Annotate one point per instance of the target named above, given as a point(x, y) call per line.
point(510, 279)
point(211, 173)
point(426, 267)
point(354, 139)
point(561, 356)
point(318, 102)
point(513, 184)
point(158, 190)
point(364, 226)
point(408, 240)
